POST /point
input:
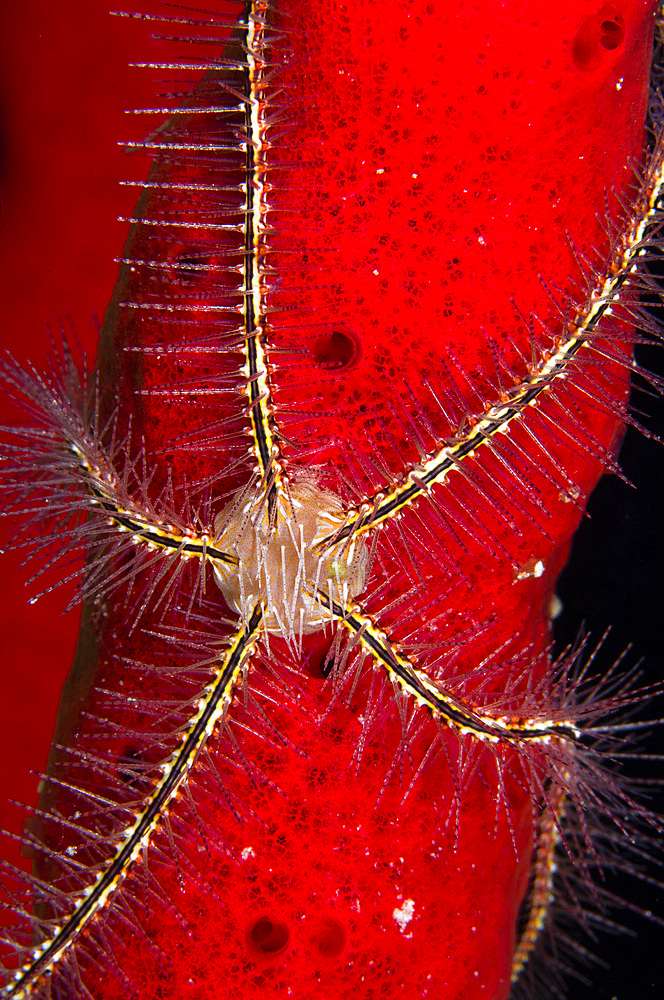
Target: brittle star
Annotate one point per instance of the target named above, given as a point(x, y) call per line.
point(291, 559)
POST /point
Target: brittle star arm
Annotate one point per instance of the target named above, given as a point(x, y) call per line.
point(443, 705)
point(263, 428)
point(247, 76)
point(513, 404)
point(541, 892)
point(211, 710)
point(158, 535)
point(145, 525)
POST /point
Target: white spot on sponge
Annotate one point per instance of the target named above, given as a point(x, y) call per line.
point(403, 915)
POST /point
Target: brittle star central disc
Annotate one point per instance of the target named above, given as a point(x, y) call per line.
point(279, 563)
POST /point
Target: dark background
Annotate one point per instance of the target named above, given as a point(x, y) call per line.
point(615, 578)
